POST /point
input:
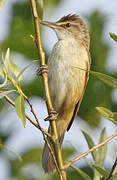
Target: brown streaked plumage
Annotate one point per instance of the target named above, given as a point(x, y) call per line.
point(69, 17)
point(66, 82)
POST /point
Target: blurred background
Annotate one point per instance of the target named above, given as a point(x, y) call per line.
point(16, 26)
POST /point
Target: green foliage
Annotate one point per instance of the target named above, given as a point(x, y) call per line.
point(19, 41)
point(20, 30)
point(98, 155)
point(10, 67)
point(110, 81)
point(108, 114)
point(113, 36)
point(101, 152)
point(104, 173)
point(90, 143)
point(20, 108)
point(4, 93)
point(83, 175)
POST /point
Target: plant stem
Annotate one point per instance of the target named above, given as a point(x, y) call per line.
point(69, 163)
point(27, 117)
point(41, 55)
point(112, 170)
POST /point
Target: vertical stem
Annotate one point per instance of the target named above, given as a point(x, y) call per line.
point(41, 54)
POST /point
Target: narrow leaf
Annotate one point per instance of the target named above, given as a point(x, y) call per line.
point(4, 93)
point(108, 114)
point(4, 83)
point(102, 171)
point(113, 36)
point(2, 73)
point(83, 175)
point(40, 8)
point(110, 81)
point(6, 63)
point(20, 108)
point(10, 66)
point(90, 143)
point(14, 153)
point(14, 69)
point(21, 72)
point(19, 75)
point(2, 2)
point(101, 152)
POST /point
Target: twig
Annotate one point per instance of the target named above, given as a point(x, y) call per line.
point(32, 110)
point(69, 163)
point(53, 155)
point(112, 170)
point(32, 122)
point(39, 127)
point(41, 54)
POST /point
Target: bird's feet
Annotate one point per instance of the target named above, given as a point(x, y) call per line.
point(43, 69)
point(52, 116)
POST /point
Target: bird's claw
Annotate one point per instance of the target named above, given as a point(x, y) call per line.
point(52, 116)
point(43, 69)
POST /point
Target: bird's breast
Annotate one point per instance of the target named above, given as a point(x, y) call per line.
point(66, 80)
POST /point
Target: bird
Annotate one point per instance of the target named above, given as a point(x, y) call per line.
point(68, 74)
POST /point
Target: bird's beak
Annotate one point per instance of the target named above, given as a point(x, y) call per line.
point(50, 24)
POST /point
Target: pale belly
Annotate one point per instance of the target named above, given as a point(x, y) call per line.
point(66, 80)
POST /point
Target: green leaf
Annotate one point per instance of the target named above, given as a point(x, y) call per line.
point(40, 7)
point(2, 2)
point(110, 81)
point(22, 71)
point(20, 108)
point(4, 93)
point(10, 67)
point(6, 149)
point(14, 69)
point(108, 114)
point(4, 83)
point(102, 171)
point(101, 152)
point(83, 175)
point(6, 63)
point(90, 143)
point(113, 36)
point(2, 73)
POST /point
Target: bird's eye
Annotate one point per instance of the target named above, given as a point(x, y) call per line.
point(68, 25)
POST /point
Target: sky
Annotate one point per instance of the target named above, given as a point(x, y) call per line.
point(23, 138)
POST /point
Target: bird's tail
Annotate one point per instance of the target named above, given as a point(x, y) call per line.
point(47, 159)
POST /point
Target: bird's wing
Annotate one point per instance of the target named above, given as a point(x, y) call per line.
point(79, 102)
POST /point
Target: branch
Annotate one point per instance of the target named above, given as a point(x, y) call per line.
point(50, 108)
point(112, 170)
point(42, 130)
point(69, 163)
point(32, 122)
